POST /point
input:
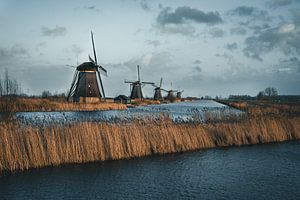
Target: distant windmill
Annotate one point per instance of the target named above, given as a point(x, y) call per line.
point(85, 87)
point(157, 91)
point(178, 94)
point(170, 96)
point(136, 86)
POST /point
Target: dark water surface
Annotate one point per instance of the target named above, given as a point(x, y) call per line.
point(270, 171)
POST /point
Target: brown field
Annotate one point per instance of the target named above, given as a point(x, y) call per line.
point(43, 104)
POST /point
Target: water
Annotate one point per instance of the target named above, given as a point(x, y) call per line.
point(180, 112)
point(270, 171)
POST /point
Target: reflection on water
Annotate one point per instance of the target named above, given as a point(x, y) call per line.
point(201, 111)
point(269, 171)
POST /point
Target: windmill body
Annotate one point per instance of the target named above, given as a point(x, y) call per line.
point(170, 94)
point(136, 91)
point(157, 91)
point(157, 94)
point(136, 86)
point(87, 88)
point(86, 81)
point(179, 94)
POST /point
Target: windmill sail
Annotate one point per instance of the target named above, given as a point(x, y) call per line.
point(91, 59)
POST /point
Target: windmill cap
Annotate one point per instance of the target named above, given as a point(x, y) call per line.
point(87, 66)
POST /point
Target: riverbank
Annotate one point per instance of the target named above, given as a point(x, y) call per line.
point(16, 104)
point(23, 147)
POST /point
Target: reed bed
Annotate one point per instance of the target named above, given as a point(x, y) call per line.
point(42, 104)
point(23, 147)
point(265, 107)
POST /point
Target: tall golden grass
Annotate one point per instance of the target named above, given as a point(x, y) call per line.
point(23, 147)
point(40, 104)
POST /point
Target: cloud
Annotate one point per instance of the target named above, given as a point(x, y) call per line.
point(91, 8)
point(285, 37)
point(76, 49)
point(12, 54)
point(224, 55)
point(250, 13)
point(238, 31)
point(258, 28)
point(53, 32)
point(216, 32)
point(181, 29)
point(279, 3)
point(296, 17)
point(244, 11)
point(144, 5)
point(154, 43)
point(291, 65)
point(197, 69)
point(231, 46)
point(197, 62)
point(185, 14)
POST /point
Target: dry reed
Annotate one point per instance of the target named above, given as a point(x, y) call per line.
point(40, 104)
point(23, 147)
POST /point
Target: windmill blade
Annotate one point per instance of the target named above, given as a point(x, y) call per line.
point(150, 83)
point(101, 84)
point(155, 86)
point(102, 70)
point(91, 59)
point(164, 90)
point(161, 79)
point(94, 50)
point(138, 71)
point(129, 81)
point(71, 66)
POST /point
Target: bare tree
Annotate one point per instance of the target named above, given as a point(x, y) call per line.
point(261, 95)
point(1, 87)
point(6, 82)
point(9, 86)
point(271, 92)
point(46, 94)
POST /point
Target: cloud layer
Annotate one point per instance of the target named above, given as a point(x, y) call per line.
point(184, 14)
point(54, 32)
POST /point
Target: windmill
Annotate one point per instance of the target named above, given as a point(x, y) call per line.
point(170, 96)
point(85, 86)
point(157, 91)
point(136, 86)
point(179, 93)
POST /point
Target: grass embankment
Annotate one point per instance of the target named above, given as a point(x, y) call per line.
point(23, 147)
point(259, 108)
point(43, 104)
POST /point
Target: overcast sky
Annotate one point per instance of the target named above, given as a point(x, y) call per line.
point(216, 47)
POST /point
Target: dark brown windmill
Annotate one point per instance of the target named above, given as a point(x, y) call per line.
point(85, 86)
point(157, 91)
point(136, 86)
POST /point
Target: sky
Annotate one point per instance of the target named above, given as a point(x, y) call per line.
point(215, 48)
